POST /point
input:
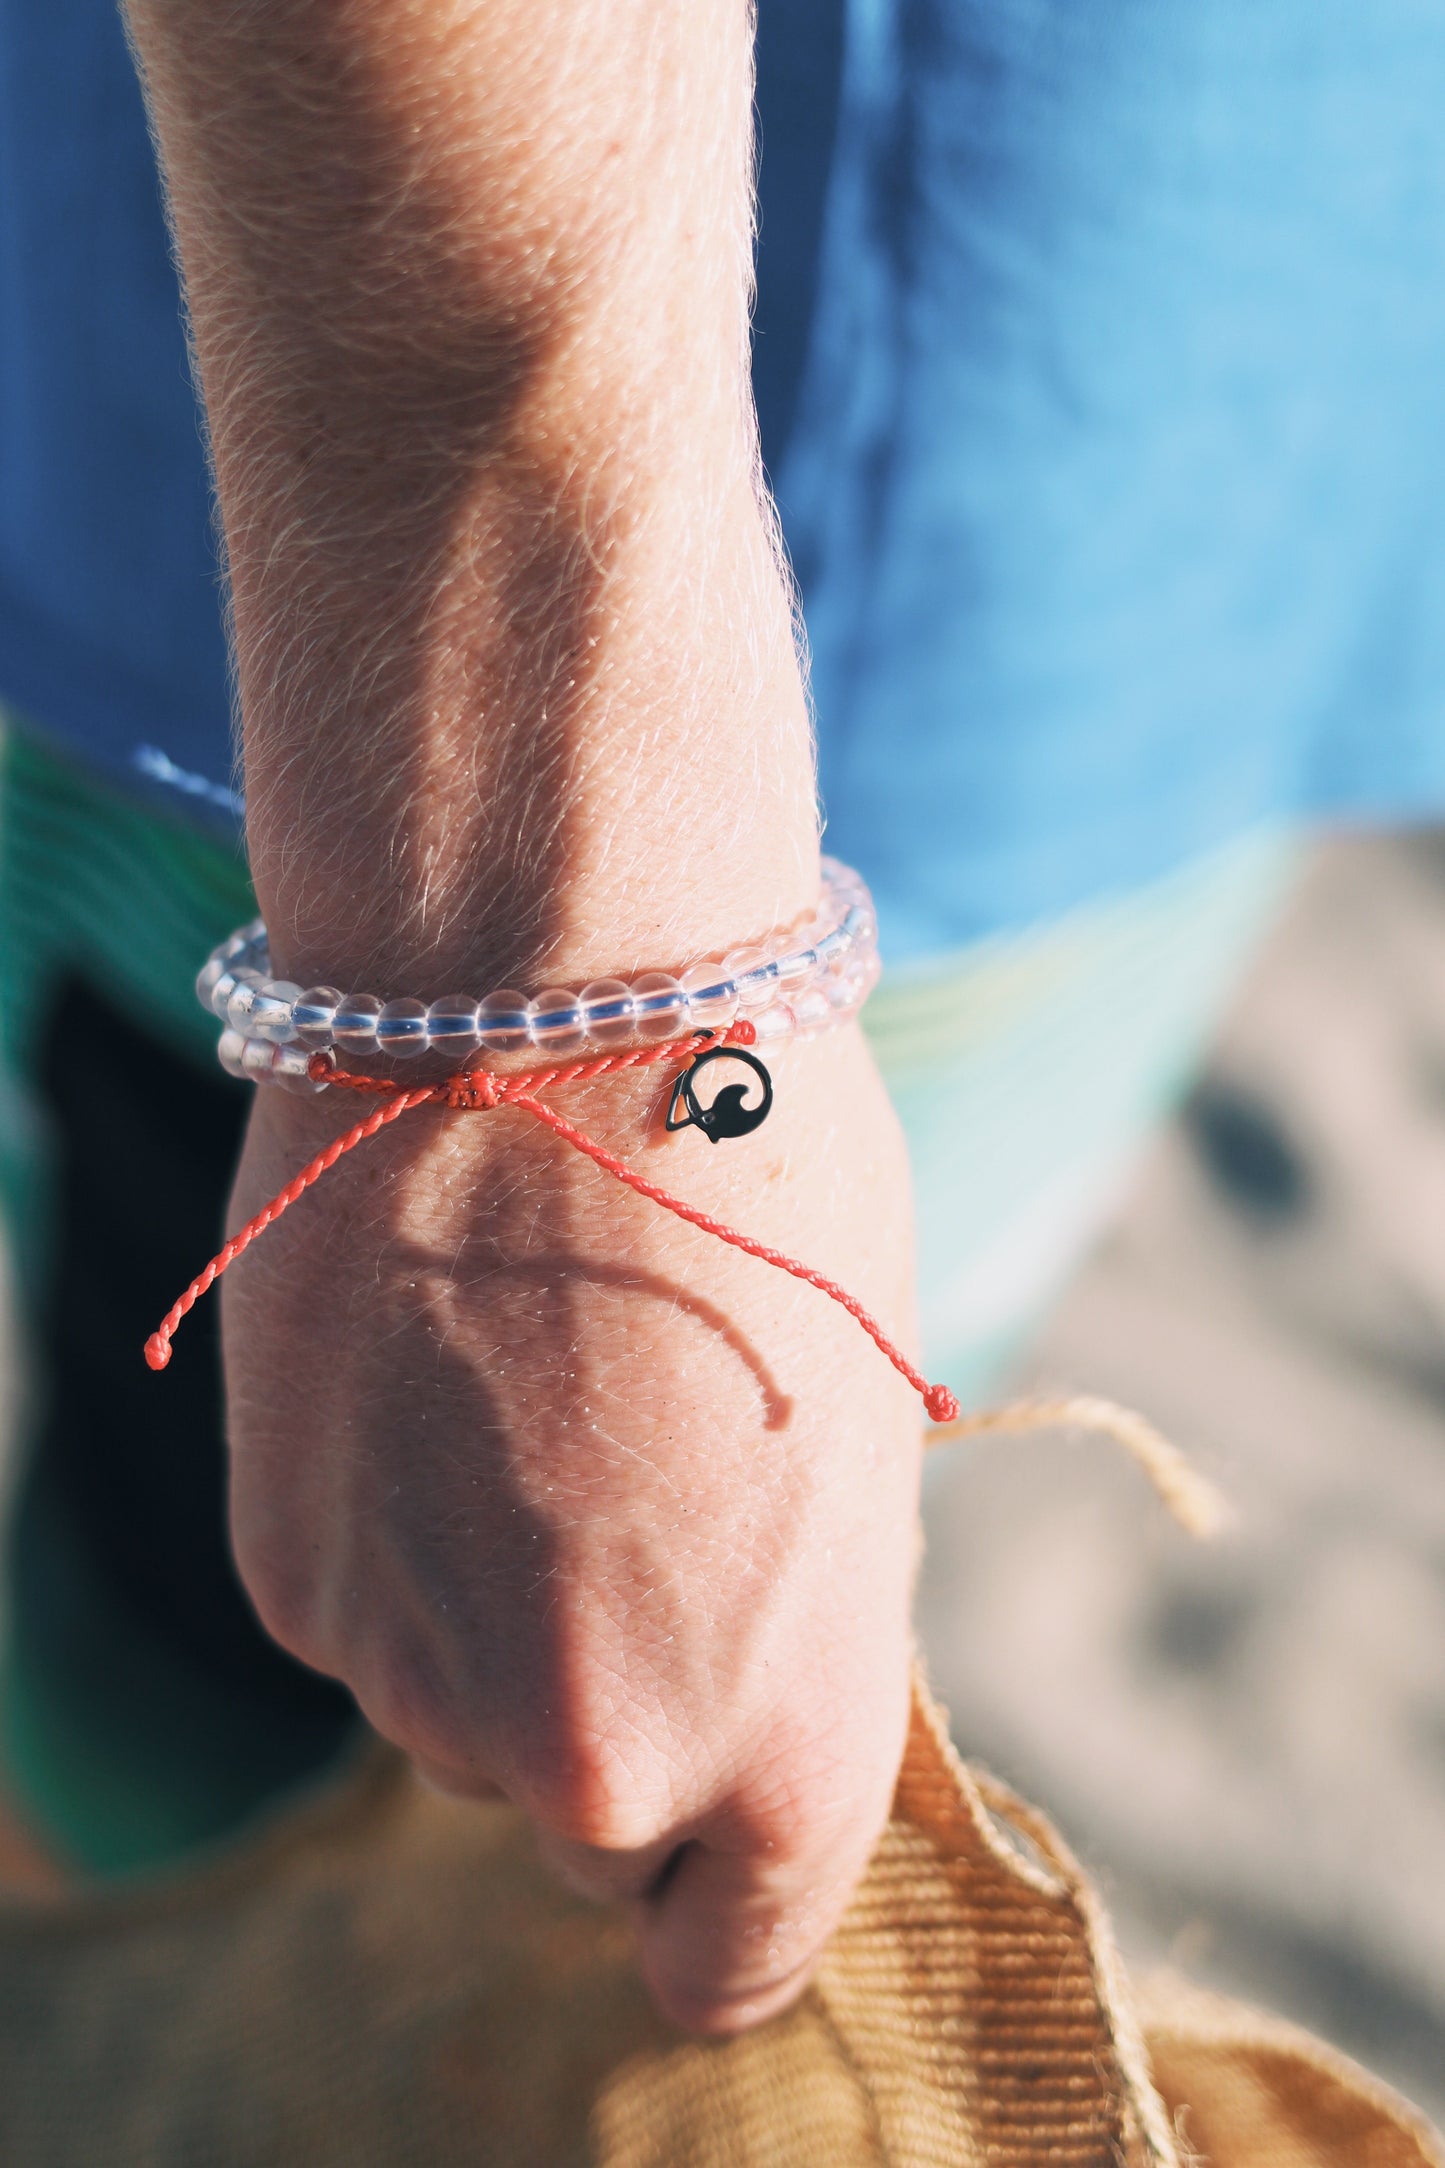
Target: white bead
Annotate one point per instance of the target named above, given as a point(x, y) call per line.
point(555, 1018)
point(401, 1027)
point(774, 1022)
point(502, 1024)
point(271, 1011)
point(712, 998)
point(811, 1009)
point(660, 1006)
point(230, 1051)
point(607, 1012)
point(257, 1058)
point(289, 1070)
point(848, 989)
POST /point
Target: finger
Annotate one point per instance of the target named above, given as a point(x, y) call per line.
point(728, 1937)
point(608, 1876)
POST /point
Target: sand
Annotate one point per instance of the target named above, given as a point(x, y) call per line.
point(1247, 1739)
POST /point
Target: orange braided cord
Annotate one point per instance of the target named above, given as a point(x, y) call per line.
point(158, 1347)
point(478, 1090)
point(470, 1090)
point(493, 1089)
point(939, 1401)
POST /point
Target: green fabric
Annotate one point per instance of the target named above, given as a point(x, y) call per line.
point(119, 1751)
point(89, 881)
point(126, 1761)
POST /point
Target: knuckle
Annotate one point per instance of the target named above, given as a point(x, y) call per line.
point(597, 1776)
point(588, 1794)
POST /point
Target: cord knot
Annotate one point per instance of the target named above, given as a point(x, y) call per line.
point(474, 1091)
point(940, 1404)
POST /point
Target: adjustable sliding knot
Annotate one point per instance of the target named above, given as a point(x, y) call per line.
point(472, 1093)
point(475, 1091)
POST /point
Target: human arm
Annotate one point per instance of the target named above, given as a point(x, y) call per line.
point(575, 1501)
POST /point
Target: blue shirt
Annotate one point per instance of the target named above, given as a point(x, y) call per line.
point(1099, 359)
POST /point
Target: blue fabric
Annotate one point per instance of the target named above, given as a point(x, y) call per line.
point(1115, 487)
point(110, 620)
point(1099, 358)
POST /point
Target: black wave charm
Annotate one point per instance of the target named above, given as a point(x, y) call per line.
point(727, 1116)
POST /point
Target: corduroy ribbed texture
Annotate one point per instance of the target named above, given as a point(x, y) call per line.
point(386, 1979)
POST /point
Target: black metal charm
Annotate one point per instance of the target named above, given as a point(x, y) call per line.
point(727, 1116)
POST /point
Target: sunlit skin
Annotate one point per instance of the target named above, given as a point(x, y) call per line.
point(581, 1504)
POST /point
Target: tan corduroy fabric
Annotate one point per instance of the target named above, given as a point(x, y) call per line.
point(390, 1980)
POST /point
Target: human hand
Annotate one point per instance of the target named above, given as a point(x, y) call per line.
point(577, 1500)
point(586, 1505)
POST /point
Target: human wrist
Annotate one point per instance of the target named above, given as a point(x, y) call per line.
point(619, 906)
point(669, 808)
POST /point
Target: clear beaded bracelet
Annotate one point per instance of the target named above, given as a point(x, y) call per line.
point(816, 973)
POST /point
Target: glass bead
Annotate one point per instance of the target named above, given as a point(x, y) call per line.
point(232, 946)
point(556, 1021)
point(452, 1024)
point(834, 946)
point(289, 1070)
point(221, 993)
point(502, 1024)
point(859, 924)
point(271, 1012)
point(818, 927)
point(848, 989)
point(230, 1048)
point(660, 1006)
point(353, 1027)
point(206, 978)
point(315, 1015)
point(242, 1001)
point(796, 967)
point(257, 1057)
point(773, 1022)
point(401, 1027)
point(712, 998)
point(607, 1014)
point(811, 1009)
point(751, 971)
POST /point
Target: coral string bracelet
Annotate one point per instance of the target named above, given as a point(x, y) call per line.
point(472, 1091)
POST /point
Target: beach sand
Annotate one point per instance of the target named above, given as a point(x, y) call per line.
point(1246, 1739)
